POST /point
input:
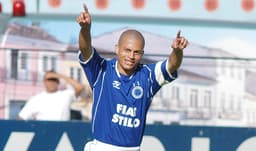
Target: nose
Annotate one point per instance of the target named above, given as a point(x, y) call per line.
point(131, 54)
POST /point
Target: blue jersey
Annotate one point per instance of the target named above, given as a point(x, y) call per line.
point(121, 102)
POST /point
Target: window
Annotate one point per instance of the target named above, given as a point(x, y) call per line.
point(75, 73)
point(49, 63)
point(53, 63)
point(24, 61)
point(23, 66)
point(207, 99)
point(14, 63)
point(14, 108)
point(79, 75)
point(194, 98)
point(176, 93)
point(45, 63)
point(71, 73)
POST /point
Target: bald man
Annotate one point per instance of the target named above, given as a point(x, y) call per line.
point(123, 88)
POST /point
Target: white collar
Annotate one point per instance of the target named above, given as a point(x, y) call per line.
point(118, 74)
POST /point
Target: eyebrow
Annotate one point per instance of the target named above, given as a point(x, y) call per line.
point(134, 50)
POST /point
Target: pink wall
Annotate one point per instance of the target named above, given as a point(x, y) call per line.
point(17, 90)
point(12, 91)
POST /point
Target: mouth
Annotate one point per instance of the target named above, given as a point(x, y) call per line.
point(129, 63)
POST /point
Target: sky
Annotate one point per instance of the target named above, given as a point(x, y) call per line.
point(240, 42)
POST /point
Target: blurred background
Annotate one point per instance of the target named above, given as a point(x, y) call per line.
point(216, 84)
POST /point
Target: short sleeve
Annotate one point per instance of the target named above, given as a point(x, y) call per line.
point(92, 67)
point(162, 74)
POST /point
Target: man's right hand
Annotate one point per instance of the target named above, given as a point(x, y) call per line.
point(84, 19)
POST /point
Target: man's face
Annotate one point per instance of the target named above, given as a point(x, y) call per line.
point(51, 82)
point(129, 53)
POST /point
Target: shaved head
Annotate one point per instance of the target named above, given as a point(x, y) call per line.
point(129, 50)
point(131, 34)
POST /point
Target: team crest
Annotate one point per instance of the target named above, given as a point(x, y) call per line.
point(137, 92)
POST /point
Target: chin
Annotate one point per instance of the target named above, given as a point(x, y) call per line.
point(128, 68)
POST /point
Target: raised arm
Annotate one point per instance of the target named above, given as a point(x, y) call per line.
point(84, 20)
point(176, 56)
point(78, 87)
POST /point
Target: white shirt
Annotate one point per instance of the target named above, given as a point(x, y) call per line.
point(49, 106)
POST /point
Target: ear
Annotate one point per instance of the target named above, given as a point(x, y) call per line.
point(142, 52)
point(117, 48)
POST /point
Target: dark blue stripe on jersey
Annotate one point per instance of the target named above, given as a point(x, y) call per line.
point(166, 74)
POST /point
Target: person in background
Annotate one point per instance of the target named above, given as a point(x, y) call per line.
point(122, 87)
point(53, 104)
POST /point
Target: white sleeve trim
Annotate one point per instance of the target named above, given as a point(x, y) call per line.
point(85, 62)
point(170, 74)
point(159, 75)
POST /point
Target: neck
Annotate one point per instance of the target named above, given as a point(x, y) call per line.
point(122, 71)
point(51, 91)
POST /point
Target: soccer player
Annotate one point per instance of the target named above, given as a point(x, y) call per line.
point(122, 87)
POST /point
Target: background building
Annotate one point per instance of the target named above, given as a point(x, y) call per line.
point(215, 85)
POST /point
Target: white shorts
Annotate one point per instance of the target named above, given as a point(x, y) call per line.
point(96, 145)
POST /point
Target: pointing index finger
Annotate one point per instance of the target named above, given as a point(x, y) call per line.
point(85, 8)
point(178, 34)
